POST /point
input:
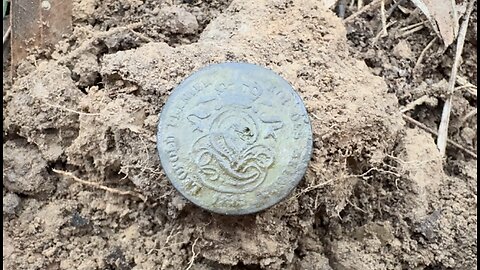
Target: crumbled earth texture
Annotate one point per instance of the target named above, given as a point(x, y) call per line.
point(376, 195)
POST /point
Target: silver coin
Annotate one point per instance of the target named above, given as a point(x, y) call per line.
point(234, 138)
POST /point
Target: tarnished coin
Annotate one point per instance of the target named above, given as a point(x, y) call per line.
point(234, 138)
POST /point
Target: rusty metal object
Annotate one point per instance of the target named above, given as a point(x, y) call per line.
point(38, 24)
point(234, 138)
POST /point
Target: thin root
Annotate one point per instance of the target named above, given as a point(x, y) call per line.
point(97, 185)
point(363, 175)
point(72, 111)
point(431, 131)
point(356, 207)
point(194, 255)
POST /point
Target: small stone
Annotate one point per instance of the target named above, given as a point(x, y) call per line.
point(180, 21)
point(469, 135)
point(178, 202)
point(402, 50)
point(11, 201)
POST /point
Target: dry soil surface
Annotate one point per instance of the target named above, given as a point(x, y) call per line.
point(376, 195)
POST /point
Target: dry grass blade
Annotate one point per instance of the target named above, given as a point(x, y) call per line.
point(99, 186)
point(447, 108)
point(431, 131)
point(384, 18)
point(443, 17)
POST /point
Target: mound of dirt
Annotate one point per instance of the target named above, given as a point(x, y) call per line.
point(374, 197)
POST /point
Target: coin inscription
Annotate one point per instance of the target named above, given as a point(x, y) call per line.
point(234, 138)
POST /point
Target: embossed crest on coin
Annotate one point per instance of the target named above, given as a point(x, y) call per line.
point(234, 138)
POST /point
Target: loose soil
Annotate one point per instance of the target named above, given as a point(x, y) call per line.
point(376, 195)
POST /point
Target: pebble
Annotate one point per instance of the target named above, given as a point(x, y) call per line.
point(180, 21)
point(11, 201)
point(402, 50)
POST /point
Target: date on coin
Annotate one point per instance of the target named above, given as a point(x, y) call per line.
point(234, 138)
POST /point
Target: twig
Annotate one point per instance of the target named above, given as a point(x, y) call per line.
point(405, 10)
point(415, 103)
point(422, 54)
point(379, 34)
point(468, 116)
point(443, 128)
point(409, 32)
point(464, 82)
point(97, 185)
point(464, 87)
point(472, 89)
point(368, 7)
point(431, 131)
point(393, 7)
point(411, 26)
point(7, 34)
point(382, 32)
point(194, 255)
